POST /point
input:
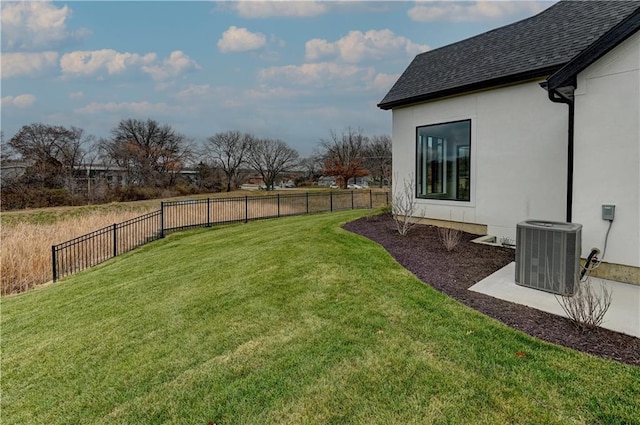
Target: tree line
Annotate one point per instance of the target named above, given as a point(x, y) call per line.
point(66, 166)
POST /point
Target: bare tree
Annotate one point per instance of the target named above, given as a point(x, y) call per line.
point(270, 157)
point(378, 158)
point(55, 150)
point(94, 186)
point(210, 177)
point(343, 155)
point(312, 167)
point(228, 151)
point(151, 153)
point(6, 151)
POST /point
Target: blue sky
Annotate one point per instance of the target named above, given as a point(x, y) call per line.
point(279, 69)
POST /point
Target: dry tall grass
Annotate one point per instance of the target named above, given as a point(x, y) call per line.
point(240, 208)
point(25, 256)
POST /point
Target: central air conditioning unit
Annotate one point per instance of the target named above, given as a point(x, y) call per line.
point(548, 255)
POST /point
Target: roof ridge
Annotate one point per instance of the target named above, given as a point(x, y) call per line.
point(616, 35)
point(464, 40)
point(534, 47)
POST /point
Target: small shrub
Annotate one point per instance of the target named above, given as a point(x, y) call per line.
point(184, 189)
point(587, 307)
point(450, 237)
point(22, 196)
point(507, 242)
point(387, 209)
point(136, 193)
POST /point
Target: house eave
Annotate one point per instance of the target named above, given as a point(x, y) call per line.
point(474, 87)
point(566, 75)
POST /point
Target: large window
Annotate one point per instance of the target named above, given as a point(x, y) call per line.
point(443, 168)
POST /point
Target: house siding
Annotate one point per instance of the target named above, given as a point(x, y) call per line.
point(607, 152)
point(518, 156)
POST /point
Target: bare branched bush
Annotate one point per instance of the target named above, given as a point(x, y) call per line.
point(450, 237)
point(507, 242)
point(403, 205)
point(587, 307)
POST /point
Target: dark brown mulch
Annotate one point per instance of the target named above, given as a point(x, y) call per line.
point(422, 253)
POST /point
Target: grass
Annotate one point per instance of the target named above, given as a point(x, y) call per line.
point(283, 321)
point(27, 236)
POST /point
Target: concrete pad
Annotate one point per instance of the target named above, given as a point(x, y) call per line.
point(623, 315)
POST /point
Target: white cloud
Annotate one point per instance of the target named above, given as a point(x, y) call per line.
point(171, 67)
point(76, 95)
point(138, 108)
point(318, 48)
point(472, 11)
point(32, 25)
point(325, 74)
point(194, 91)
point(85, 63)
point(237, 39)
point(383, 82)
point(358, 46)
point(27, 64)
point(110, 62)
point(270, 93)
point(306, 79)
point(275, 8)
point(21, 101)
point(205, 96)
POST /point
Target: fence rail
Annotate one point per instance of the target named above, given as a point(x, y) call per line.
point(101, 245)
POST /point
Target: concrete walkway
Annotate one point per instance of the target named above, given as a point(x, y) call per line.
point(623, 314)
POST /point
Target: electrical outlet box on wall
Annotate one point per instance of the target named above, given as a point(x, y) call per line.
point(608, 212)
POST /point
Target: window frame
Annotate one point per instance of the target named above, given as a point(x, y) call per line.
point(443, 166)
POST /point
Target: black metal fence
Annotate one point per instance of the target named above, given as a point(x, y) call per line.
point(98, 246)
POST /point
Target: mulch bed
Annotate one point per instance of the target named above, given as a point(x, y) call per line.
point(452, 273)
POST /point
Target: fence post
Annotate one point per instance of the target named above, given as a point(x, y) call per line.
point(307, 202)
point(208, 212)
point(352, 200)
point(115, 239)
point(387, 196)
point(331, 201)
point(161, 219)
point(246, 209)
point(278, 205)
point(53, 262)
point(370, 199)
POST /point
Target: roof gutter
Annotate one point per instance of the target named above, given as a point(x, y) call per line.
point(566, 97)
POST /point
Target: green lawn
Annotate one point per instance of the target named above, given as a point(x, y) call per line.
point(283, 321)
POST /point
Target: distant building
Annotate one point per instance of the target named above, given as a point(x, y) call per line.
point(13, 168)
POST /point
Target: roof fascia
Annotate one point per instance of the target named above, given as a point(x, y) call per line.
point(481, 85)
point(595, 51)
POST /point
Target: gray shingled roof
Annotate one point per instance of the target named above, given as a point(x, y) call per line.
point(533, 47)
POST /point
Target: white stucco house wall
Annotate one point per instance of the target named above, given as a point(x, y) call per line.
point(539, 119)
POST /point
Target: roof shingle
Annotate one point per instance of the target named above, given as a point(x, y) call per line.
point(533, 47)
